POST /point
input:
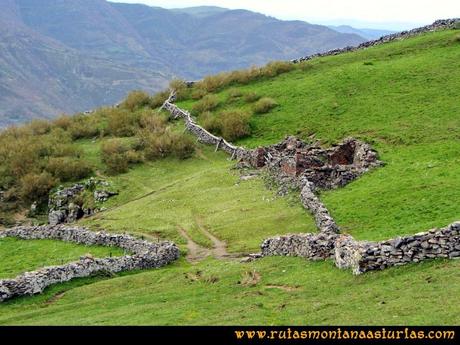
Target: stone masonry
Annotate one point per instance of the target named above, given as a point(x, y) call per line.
point(142, 255)
point(362, 256)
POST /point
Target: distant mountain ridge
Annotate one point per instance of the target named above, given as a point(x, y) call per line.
point(370, 34)
point(74, 55)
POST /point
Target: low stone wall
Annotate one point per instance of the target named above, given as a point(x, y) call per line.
point(202, 134)
point(363, 256)
point(310, 246)
point(311, 202)
point(143, 255)
point(437, 25)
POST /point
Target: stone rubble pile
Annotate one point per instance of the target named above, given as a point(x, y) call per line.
point(143, 255)
point(437, 25)
point(64, 206)
point(294, 161)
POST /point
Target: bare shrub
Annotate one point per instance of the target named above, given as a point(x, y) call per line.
point(136, 100)
point(251, 97)
point(68, 168)
point(36, 187)
point(207, 103)
point(264, 105)
point(234, 124)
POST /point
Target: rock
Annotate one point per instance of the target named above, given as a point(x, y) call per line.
point(57, 217)
point(103, 195)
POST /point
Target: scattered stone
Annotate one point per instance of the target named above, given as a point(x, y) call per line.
point(103, 195)
point(64, 205)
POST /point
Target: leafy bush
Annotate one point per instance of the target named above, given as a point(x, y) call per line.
point(234, 94)
point(213, 82)
point(136, 100)
point(234, 124)
point(85, 126)
point(113, 154)
point(153, 121)
point(121, 122)
point(39, 127)
point(183, 145)
point(68, 169)
point(264, 105)
point(198, 94)
point(36, 187)
point(180, 87)
point(158, 99)
point(64, 122)
point(245, 76)
point(276, 68)
point(208, 103)
point(251, 97)
point(210, 122)
point(157, 145)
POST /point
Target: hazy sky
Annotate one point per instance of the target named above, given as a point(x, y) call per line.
point(399, 14)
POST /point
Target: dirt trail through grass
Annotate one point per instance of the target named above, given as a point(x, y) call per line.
point(197, 253)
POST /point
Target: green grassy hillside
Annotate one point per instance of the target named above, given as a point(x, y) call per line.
point(400, 97)
point(403, 98)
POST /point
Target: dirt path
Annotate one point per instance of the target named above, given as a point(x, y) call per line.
point(197, 252)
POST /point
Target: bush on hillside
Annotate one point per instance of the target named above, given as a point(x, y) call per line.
point(182, 91)
point(207, 103)
point(39, 127)
point(210, 122)
point(158, 99)
point(198, 94)
point(153, 121)
point(36, 187)
point(213, 82)
point(276, 68)
point(264, 105)
point(234, 124)
point(64, 122)
point(121, 122)
point(85, 126)
point(114, 154)
point(251, 97)
point(68, 169)
point(234, 94)
point(157, 145)
point(136, 100)
point(245, 76)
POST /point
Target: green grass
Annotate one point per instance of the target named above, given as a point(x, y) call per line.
point(406, 104)
point(400, 97)
point(315, 294)
point(19, 256)
point(158, 199)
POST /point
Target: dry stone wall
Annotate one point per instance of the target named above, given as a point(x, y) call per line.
point(142, 255)
point(363, 256)
point(437, 25)
point(202, 134)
